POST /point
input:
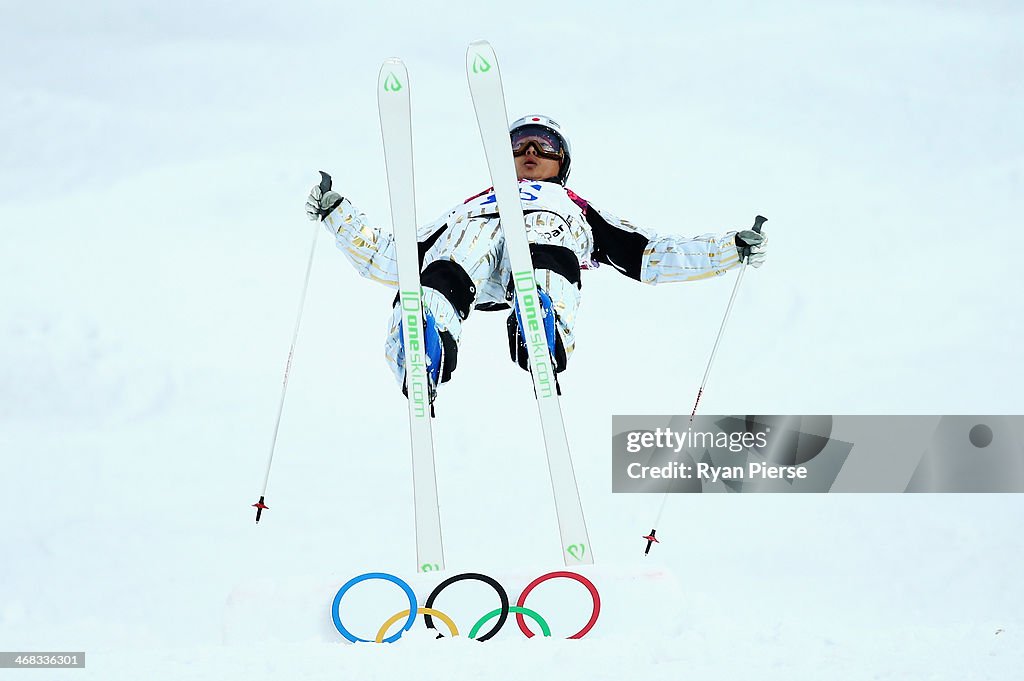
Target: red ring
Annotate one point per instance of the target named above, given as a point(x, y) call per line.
point(568, 575)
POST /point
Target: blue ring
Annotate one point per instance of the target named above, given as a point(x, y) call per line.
point(362, 578)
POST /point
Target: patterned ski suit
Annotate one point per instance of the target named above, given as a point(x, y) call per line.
point(464, 265)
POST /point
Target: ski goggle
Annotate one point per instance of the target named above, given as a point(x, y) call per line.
point(547, 143)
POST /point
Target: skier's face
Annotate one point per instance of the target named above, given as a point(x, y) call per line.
point(531, 166)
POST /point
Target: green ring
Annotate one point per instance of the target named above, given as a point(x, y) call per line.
point(544, 628)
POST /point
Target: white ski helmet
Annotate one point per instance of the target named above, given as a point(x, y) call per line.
point(543, 123)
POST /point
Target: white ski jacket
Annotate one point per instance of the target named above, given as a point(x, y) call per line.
point(554, 214)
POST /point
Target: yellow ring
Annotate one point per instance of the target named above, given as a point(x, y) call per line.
point(383, 631)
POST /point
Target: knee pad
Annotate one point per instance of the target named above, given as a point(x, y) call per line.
point(449, 279)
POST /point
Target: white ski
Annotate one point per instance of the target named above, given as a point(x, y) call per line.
point(489, 102)
point(396, 131)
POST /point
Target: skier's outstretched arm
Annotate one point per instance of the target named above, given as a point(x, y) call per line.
point(651, 258)
point(371, 250)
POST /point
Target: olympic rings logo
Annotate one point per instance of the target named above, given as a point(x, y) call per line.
point(429, 611)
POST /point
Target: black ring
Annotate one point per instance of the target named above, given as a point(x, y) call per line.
point(493, 583)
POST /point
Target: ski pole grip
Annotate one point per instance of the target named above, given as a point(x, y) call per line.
point(325, 183)
point(745, 251)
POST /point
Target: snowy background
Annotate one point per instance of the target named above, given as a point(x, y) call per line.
point(154, 162)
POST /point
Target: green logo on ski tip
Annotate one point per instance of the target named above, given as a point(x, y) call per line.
point(480, 65)
point(576, 551)
point(392, 84)
point(430, 567)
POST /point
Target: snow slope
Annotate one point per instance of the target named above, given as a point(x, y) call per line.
point(152, 242)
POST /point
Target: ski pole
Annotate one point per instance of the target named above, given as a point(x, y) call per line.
point(744, 253)
point(260, 506)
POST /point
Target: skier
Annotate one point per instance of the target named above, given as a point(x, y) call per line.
point(464, 266)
